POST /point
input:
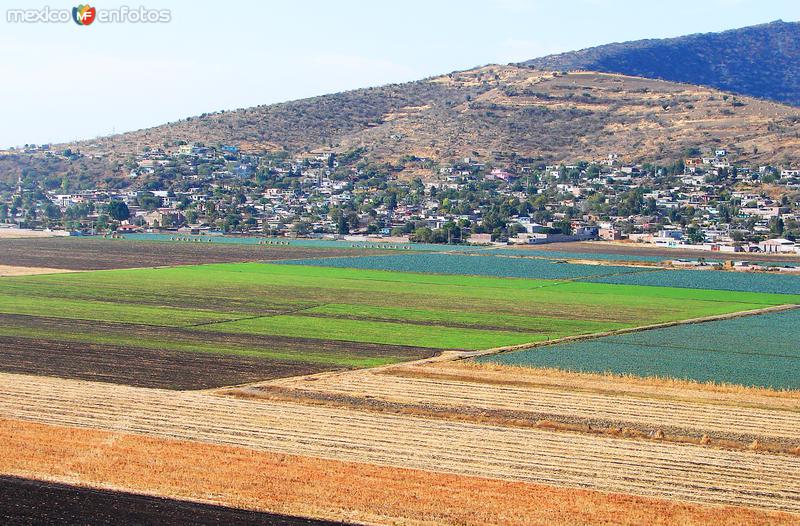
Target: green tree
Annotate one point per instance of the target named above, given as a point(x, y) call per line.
point(695, 235)
point(776, 226)
point(301, 227)
point(342, 225)
point(563, 227)
point(52, 212)
point(422, 235)
point(149, 202)
point(118, 211)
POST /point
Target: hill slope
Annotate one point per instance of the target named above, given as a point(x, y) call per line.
point(488, 113)
point(760, 61)
point(496, 110)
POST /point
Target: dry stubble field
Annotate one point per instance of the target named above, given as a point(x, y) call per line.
point(243, 478)
point(664, 470)
point(526, 398)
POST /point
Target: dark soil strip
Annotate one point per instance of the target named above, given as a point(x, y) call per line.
point(102, 254)
point(141, 367)
point(26, 501)
point(55, 326)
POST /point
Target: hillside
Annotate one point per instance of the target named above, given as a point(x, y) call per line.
point(502, 109)
point(760, 61)
point(488, 113)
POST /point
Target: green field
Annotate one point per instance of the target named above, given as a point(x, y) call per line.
point(382, 307)
point(255, 320)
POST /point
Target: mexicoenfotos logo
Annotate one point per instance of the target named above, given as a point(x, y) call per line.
point(83, 15)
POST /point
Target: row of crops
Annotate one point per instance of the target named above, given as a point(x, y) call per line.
point(478, 265)
point(557, 254)
point(754, 350)
point(494, 263)
point(485, 264)
point(708, 279)
point(461, 259)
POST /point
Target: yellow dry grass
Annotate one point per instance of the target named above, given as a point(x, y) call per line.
point(329, 489)
point(550, 399)
point(606, 382)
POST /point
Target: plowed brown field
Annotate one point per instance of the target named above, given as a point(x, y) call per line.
point(77, 253)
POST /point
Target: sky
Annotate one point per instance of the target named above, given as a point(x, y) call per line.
point(61, 81)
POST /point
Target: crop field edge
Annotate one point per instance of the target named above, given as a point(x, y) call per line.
point(627, 330)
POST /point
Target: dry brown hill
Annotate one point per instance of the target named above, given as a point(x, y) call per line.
point(504, 109)
point(491, 112)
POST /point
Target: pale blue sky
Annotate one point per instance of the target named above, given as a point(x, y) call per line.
point(61, 82)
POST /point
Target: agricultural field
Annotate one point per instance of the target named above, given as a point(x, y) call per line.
point(522, 397)
point(87, 253)
point(708, 279)
point(646, 252)
point(301, 242)
point(237, 323)
point(647, 468)
point(755, 350)
point(234, 389)
point(522, 264)
point(160, 357)
point(539, 251)
point(303, 314)
point(239, 477)
point(476, 265)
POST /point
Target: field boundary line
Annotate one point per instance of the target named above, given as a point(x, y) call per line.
point(275, 315)
point(615, 332)
point(450, 355)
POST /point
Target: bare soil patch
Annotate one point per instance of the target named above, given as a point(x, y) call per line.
point(7, 270)
point(140, 367)
point(28, 501)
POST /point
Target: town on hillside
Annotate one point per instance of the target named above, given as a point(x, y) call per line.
point(706, 200)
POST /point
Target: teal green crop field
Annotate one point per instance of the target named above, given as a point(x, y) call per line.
point(757, 351)
point(333, 317)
